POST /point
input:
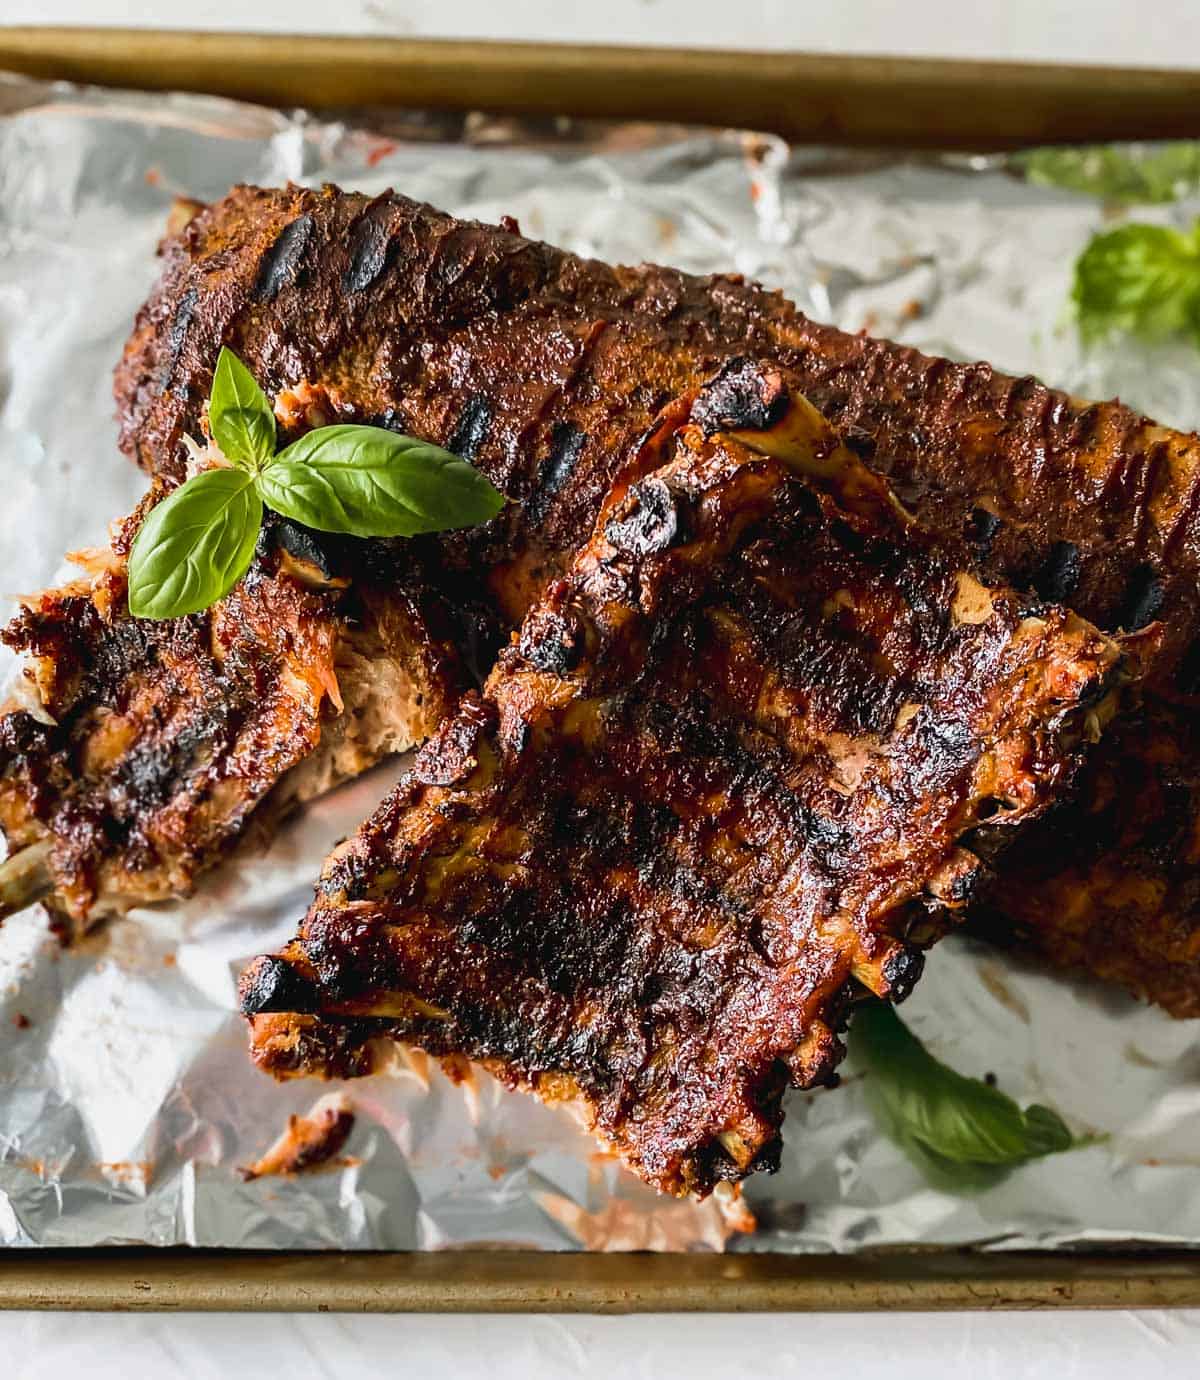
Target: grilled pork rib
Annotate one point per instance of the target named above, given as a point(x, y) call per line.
point(542, 367)
point(709, 790)
point(149, 746)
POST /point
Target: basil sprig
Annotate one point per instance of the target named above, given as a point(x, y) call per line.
point(372, 483)
point(962, 1133)
point(363, 481)
point(1122, 173)
point(1140, 279)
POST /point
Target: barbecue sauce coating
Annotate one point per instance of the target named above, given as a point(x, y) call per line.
point(719, 773)
point(547, 366)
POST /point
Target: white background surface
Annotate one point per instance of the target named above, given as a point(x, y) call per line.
point(1150, 32)
point(902, 1347)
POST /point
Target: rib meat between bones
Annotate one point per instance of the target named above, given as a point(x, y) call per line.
point(542, 367)
point(720, 775)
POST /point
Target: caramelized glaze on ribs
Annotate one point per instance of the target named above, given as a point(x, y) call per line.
point(543, 367)
point(719, 777)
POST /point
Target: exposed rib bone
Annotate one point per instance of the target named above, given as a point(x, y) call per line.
point(25, 878)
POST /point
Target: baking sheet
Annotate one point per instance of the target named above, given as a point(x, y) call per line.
point(126, 1103)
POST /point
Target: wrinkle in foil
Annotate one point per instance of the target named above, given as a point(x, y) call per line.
point(127, 1103)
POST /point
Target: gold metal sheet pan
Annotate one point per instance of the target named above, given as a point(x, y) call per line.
point(831, 99)
point(518, 1282)
point(827, 99)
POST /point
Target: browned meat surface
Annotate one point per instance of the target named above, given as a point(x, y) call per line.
point(1112, 884)
point(146, 747)
point(716, 784)
point(543, 367)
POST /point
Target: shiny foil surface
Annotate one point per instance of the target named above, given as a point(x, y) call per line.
point(127, 1103)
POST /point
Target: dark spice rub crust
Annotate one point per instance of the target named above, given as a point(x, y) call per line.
point(543, 367)
point(718, 782)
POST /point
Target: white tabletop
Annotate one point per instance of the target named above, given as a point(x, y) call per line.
point(1154, 32)
point(974, 1346)
point(913, 1346)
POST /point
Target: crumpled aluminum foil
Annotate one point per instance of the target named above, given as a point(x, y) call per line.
point(127, 1105)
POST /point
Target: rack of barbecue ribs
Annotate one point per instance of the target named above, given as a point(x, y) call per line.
point(543, 368)
point(718, 780)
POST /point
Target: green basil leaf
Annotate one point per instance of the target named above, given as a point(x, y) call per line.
point(195, 545)
point(1143, 279)
point(961, 1132)
point(1118, 173)
point(239, 415)
point(369, 482)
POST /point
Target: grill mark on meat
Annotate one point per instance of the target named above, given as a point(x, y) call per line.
point(1154, 469)
point(151, 772)
point(177, 334)
point(1143, 602)
point(280, 266)
point(1184, 520)
point(567, 444)
point(392, 419)
point(566, 449)
point(1188, 679)
point(454, 294)
point(370, 244)
point(471, 430)
point(1059, 576)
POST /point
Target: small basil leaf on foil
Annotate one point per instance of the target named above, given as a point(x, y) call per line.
point(370, 482)
point(239, 415)
point(1127, 174)
point(1140, 279)
point(195, 545)
point(962, 1133)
